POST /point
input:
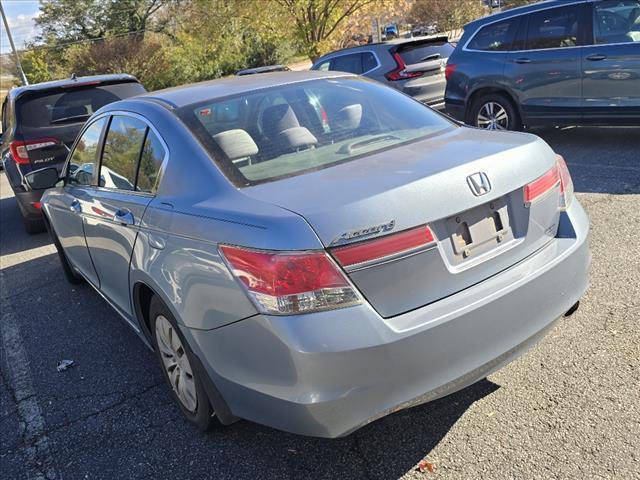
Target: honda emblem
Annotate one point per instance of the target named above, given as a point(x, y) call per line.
point(479, 183)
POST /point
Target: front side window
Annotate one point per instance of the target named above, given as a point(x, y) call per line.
point(122, 148)
point(616, 21)
point(496, 37)
point(553, 28)
point(291, 129)
point(85, 154)
point(324, 66)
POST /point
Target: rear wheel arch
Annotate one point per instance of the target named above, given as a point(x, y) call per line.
point(142, 296)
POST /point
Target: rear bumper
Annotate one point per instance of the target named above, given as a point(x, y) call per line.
point(26, 202)
point(329, 373)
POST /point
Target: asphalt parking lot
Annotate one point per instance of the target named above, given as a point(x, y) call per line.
point(570, 408)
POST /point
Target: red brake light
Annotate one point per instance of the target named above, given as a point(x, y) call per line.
point(37, 205)
point(399, 73)
point(449, 69)
point(288, 283)
point(541, 185)
point(388, 245)
point(20, 149)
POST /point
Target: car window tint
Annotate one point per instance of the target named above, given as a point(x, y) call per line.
point(616, 21)
point(85, 154)
point(348, 63)
point(420, 52)
point(324, 66)
point(369, 61)
point(495, 37)
point(153, 154)
point(122, 147)
point(553, 28)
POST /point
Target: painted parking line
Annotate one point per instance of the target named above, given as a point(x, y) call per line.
point(38, 461)
point(17, 258)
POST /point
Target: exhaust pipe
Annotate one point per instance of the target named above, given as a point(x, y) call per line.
point(572, 310)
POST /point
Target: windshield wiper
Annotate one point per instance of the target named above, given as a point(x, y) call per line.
point(72, 118)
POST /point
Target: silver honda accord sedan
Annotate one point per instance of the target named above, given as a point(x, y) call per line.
point(313, 250)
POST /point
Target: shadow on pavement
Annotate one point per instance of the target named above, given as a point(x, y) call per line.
point(601, 159)
point(13, 237)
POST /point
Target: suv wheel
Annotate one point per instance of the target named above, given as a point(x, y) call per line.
point(494, 112)
point(176, 361)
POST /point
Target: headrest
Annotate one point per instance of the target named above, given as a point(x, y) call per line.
point(297, 137)
point(277, 118)
point(347, 118)
point(236, 143)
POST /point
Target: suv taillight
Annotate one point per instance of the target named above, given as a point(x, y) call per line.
point(400, 73)
point(558, 174)
point(286, 283)
point(20, 149)
point(449, 69)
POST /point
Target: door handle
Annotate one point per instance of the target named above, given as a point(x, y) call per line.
point(522, 60)
point(124, 217)
point(75, 206)
point(596, 57)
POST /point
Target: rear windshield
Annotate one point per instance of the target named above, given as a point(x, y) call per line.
point(423, 52)
point(291, 129)
point(67, 106)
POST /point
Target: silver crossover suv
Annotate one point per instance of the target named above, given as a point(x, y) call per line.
point(303, 256)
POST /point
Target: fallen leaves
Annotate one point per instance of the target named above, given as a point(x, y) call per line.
point(426, 466)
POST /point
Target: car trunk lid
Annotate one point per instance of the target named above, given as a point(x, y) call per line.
point(428, 183)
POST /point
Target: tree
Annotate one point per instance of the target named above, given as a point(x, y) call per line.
point(314, 21)
point(64, 21)
point(447, 14)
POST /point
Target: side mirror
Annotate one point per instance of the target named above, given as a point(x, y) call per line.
point(43, 178)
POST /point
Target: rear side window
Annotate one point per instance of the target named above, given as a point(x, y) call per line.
point(420, 52)
point(616, 21)
point(495, 37)
point(122, 148)
point(85, 154)
point(553, 28)
point(66, 106)
point(323, 67)
point(153, 154)
point(369, 61)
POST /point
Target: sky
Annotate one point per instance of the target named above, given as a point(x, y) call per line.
point(21, 15)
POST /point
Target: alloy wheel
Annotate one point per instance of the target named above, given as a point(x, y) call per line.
point(493, 116)
point(176, 363)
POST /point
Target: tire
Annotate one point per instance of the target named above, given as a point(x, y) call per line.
point(33, 225)
point(176, 360)
point(70, 274)
point(494, 111)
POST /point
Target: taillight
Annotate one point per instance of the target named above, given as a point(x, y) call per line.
point(557, 175)
point(566, 184)
point(400, 73)
point(540, 186)
point(387, 246)
point(20, 149)
point(290, 283)
point(449, 69)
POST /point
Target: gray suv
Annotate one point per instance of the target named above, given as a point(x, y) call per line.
point(414, 66)
point(559, 62)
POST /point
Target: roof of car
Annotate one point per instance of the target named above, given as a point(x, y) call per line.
point(520, 10)
point(183, 95)
point(69, 82)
